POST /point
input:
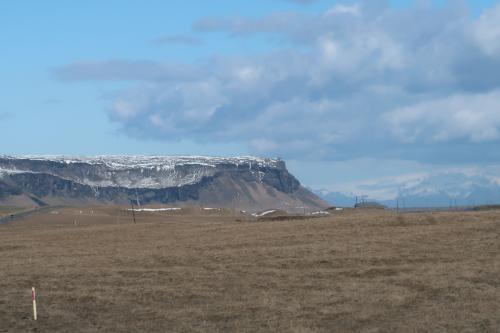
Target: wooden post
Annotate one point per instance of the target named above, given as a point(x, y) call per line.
point(133, 210)
point(33, 298)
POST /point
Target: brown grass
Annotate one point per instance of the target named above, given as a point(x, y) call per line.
point(354, 271)
point(7, 210)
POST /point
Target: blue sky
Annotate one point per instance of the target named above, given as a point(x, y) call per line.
point(342, 90)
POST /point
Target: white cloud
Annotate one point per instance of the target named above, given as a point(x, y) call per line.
point(122, 70)
point(486, 31)
point(473, 117)
point(124, 108)
point(366, 81)
point(344, 9)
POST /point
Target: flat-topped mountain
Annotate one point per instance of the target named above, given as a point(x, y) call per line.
point(249, 183)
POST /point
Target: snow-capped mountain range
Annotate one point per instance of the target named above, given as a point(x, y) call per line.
point(131, 171)
point(249, 183)
point(439, 189)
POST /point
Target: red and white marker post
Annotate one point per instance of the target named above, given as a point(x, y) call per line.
point(33, 298)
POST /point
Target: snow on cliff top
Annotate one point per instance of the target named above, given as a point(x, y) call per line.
point(128, 171)
point(150, 162)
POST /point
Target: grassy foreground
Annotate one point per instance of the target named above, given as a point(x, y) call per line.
point(355, 271)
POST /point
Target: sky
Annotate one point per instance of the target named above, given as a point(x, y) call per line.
point(344, 91)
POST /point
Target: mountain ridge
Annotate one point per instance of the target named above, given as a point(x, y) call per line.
point(438, 189)
point(241, 182)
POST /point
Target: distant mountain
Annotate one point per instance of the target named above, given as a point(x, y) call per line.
point(452, 189)
point(336, 198)
point(442, 189)
point(248, 183)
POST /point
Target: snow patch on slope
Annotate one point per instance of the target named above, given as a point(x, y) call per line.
point(263, 213)
point(155, 209)
point(134, 171)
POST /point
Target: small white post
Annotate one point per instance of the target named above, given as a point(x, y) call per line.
point(33, 298)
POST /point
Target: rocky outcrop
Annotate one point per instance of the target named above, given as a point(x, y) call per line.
point(241, 182)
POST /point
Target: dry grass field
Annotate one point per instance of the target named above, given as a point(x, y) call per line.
point(7, 210)
point(353, 271)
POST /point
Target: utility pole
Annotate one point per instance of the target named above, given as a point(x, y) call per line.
point(133, 210)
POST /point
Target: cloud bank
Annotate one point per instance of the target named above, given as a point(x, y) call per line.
point(361, 79)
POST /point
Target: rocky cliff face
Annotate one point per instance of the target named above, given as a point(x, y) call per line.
point(240, 182)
